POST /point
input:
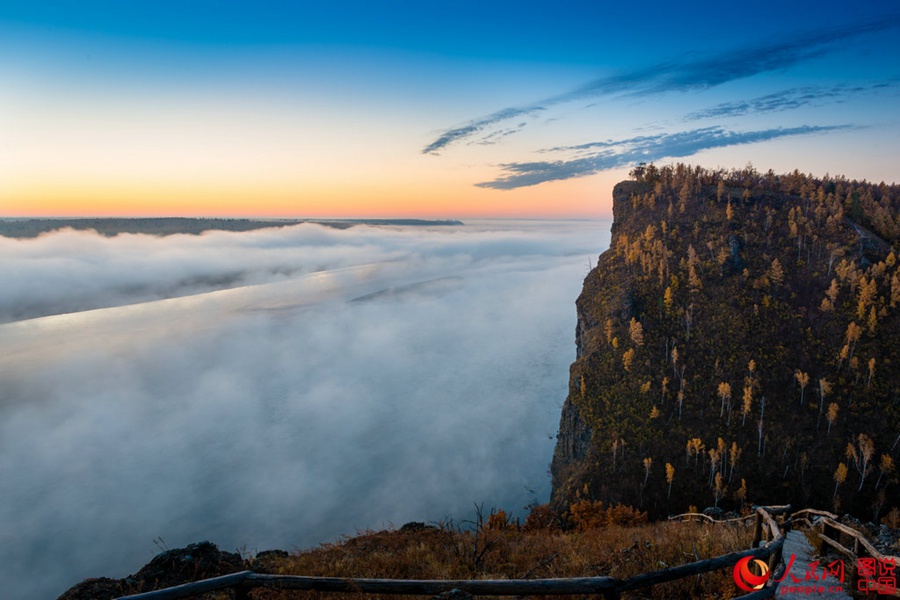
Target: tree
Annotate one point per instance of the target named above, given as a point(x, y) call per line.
point(843, 354)
point(717, 457)
point(684, 195)
point(724, 392)
point(616, 445)
point(824, 390)
point(627, 359)
point(840, 475)
point(735, 456)
point(719, 489)
point(670, 477)
point(895, 289)
point(803, 379)
point(695, 448)
point(637, 332)
point(776, 272)
point(871, 372)
point(832, 415)
point(747, 403)
point(694, 280)
point(675, 361)
point(648, 464)
point(868, 291)
point(866, 450)
point(637, 173)
point(832, 292)
point(759, 428)
point(854, 332)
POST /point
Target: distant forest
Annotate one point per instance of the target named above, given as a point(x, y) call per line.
point(29, 228)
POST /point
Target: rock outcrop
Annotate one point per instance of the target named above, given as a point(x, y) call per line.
point(170, 568)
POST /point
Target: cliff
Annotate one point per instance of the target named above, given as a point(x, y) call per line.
point(737, 343)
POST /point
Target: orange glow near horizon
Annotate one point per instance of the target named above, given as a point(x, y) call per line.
point(158, 153)
point(582, 198)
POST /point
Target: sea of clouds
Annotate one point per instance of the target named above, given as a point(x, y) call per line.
point(275, 388)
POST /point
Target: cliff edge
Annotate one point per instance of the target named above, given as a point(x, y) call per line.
point(737, 343)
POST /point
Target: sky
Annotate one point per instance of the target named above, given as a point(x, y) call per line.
point(276, 388)
point(459, 109)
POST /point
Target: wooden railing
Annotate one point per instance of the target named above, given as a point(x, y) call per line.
point(834, 534)
point(766, 529)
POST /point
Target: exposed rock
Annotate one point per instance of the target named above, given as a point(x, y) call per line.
point(171, 568)
point(573, 442)
point(454, 594)
point(264, 561)
point(416, 526)
point(714, 512)
point(102, 588)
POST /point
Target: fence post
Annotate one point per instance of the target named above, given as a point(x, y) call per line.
point(775, 558)
point(757, 530)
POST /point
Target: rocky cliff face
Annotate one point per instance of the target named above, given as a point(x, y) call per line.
point(734, 345)
point(573, 442)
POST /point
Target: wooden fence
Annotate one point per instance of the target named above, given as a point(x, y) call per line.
point(766, 530)
point(848, 541)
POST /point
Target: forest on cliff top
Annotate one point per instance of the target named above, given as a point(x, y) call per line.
point(738, 344)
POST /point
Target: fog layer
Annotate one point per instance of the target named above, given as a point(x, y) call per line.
point(368, 377)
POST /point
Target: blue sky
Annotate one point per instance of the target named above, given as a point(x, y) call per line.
point(425, 109)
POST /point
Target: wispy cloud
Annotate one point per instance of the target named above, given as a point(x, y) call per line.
point(495, 136)
point(785, 100)
point(685, 75)
point(459, 133)
point(612, 154)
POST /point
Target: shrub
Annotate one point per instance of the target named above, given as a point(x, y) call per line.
point(590, 514)
point(499, 521)
point(587, 514)
point(541, 518)
point(626, 516)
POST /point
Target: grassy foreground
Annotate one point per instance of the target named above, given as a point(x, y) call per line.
point(602, 543)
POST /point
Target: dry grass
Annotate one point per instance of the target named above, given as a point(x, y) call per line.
point(506, 551)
